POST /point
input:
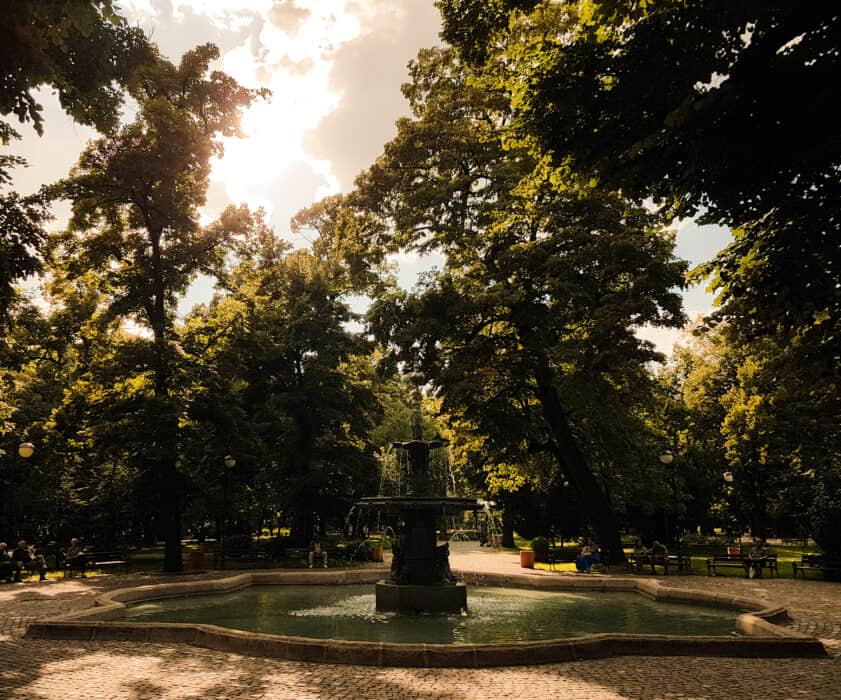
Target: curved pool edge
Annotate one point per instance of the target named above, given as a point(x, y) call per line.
point(104, 622)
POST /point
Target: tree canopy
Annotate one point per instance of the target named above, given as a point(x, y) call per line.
point(532, 317)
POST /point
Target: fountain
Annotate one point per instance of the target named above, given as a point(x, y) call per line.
point(515, 618)
point(421, 580)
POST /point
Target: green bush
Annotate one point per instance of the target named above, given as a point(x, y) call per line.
point(540, 545)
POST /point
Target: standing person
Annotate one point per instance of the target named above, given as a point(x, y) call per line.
point(483, 531)
point(76, 557)
point(7, 567)
point(24, 557)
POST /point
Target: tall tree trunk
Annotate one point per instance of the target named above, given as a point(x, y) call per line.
point(596, 505)
point(168, 481)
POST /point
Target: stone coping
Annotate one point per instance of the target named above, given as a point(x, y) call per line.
point(106, 622)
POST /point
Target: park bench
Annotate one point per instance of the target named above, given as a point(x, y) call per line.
point(243, 553)
point(816, 562)
point(741, 561)
point(561, 555)
point(340, 552)
point(103, 561)
point(679, 561)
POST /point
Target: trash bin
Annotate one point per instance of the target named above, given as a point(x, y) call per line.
point(196, 560)
point(526, 559)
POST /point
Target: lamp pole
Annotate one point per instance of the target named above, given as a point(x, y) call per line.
point(667, 458)
point(25, 451)
point(729, 479)
point(230, 463)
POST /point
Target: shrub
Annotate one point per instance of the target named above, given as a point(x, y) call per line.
point(540, 545)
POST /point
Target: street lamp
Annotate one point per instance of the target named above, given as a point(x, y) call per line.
point(230, 463)
point(25, 451)
point(667, 458)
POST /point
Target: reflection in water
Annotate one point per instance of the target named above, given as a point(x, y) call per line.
point(495, 615)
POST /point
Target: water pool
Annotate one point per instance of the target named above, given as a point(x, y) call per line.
point(496, 615)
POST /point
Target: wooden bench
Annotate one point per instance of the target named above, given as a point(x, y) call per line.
point(560, 555)
point(816, 562)
point(335, 553)
point(742, 561)
point(681, 562)
point(103, 561)
point(240, 554)
point(725, 561)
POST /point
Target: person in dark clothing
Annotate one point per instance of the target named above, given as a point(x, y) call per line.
point(24, 558)
point(7, 567)
point(589, 556)
point(76, 557)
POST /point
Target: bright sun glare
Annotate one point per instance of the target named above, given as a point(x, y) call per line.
point(294, 62)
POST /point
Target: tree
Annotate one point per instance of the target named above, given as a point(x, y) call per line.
point(720, 111)
point(21, 233)
point(83, 49)
point(135, 196)
point(295, 386)
point(544, 281)
point(85, 52)
point(681, 95)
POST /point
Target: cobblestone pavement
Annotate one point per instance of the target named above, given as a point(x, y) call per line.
point(70, 670)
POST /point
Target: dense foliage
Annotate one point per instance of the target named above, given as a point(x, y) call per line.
point(548, 150)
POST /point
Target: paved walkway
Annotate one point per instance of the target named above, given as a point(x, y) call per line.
point(78, 670)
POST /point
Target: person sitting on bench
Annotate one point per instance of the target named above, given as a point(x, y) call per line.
point(315, 549)
point(7, 568)
point(757, 555)
point(589, 556)
point(659, 555)
point(24, 558)
point(75, 557)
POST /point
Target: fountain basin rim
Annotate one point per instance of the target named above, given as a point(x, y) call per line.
point(105, 622)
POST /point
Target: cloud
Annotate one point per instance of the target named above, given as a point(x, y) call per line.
point(288, 16)
point(367, 74)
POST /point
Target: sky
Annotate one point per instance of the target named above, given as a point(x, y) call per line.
point(334, 68)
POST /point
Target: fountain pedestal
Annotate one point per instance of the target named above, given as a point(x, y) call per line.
point(421, 598)
point(421, 580)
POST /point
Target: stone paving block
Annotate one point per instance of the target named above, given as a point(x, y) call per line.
point(48, 669)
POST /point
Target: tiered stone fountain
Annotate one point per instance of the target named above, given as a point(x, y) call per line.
point(420, 579)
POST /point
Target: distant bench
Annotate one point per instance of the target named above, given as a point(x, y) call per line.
point(742, 561)
point(102, 561)
point(681, 562)
point(334, 553)
point(561, 555)
point(816, 562)
point(235, 552)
